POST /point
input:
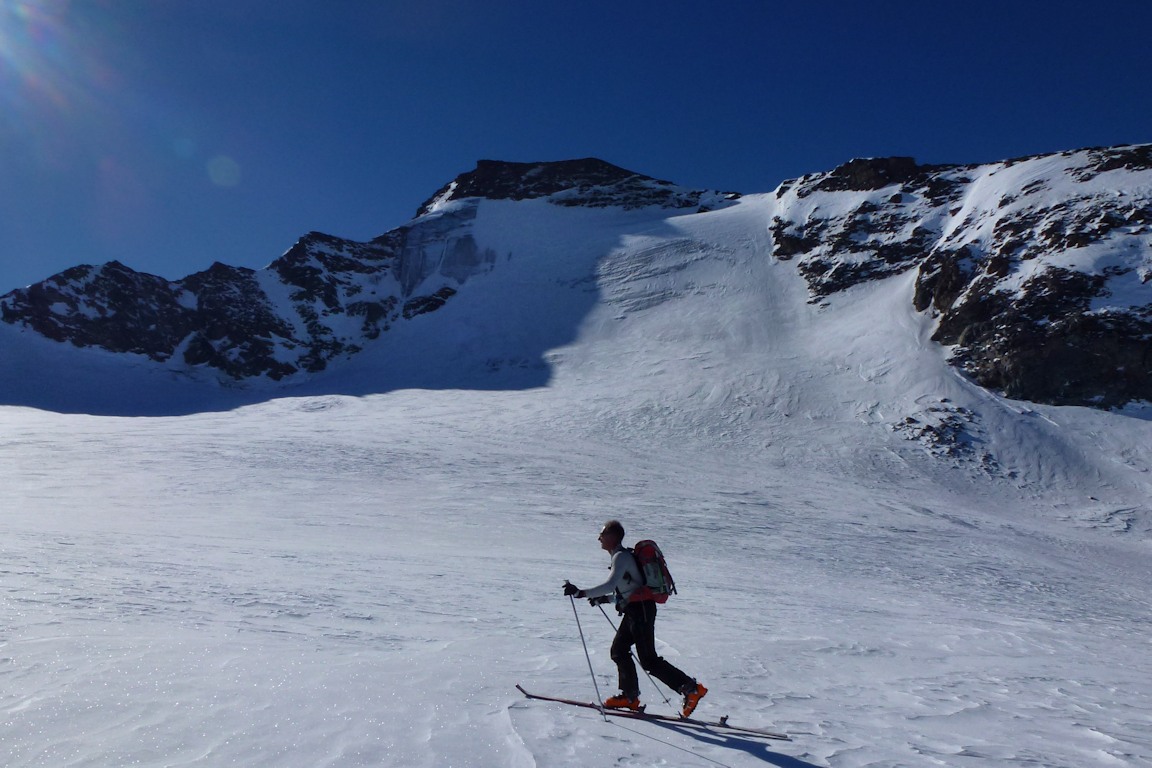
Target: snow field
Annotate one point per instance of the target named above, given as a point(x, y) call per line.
point(224, 622)
point(344, 578)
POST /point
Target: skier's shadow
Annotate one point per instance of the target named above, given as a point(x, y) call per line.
point(754, 747)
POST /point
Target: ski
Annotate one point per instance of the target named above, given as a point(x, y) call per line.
point(721, 724)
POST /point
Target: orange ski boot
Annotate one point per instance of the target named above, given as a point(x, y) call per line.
point(621, 701)
point(692, 695)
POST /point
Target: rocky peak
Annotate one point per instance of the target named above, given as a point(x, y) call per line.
point(864, 174)
point(498, 180)
point(588, 182)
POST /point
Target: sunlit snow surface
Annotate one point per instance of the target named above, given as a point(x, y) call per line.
point(343, 578)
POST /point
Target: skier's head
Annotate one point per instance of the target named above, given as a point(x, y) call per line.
point(611, 535)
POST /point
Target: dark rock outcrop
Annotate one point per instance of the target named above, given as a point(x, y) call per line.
point(109, 306)
point(589, 182)
point(869, 173)
point(290, 317)
point(1037, 268)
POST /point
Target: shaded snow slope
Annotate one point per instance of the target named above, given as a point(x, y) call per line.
point(874, 555)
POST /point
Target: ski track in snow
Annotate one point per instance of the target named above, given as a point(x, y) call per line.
point(342, 581)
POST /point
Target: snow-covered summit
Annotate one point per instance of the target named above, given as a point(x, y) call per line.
point(326, 297)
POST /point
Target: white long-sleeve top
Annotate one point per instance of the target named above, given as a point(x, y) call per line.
point(624, 576)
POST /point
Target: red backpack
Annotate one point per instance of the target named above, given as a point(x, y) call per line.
point(658, 584)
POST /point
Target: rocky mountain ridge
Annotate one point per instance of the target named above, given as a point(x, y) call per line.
point(326, 297)
point(1036, 270)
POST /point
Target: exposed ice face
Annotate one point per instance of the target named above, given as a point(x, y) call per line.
point(442, 244)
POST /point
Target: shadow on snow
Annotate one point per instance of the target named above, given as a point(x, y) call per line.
point(751, 746)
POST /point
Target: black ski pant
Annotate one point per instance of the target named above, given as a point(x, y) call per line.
point(638, 627)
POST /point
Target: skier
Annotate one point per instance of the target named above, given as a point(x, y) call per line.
point(637, 627)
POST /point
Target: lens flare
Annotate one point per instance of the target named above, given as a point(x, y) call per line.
point(33, 56)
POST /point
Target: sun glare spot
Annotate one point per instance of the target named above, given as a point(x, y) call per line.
point(224, 171)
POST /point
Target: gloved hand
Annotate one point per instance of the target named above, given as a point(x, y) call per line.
point(599, 600)
point(570, 589)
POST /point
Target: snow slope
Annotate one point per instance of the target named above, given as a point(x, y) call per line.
point(358, 573)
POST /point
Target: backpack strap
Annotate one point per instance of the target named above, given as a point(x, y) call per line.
point(635, 565)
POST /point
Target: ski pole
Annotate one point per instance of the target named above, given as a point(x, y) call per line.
point(599, 701)
point(646, 672)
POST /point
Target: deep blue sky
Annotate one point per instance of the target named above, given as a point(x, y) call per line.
point(169, 134)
